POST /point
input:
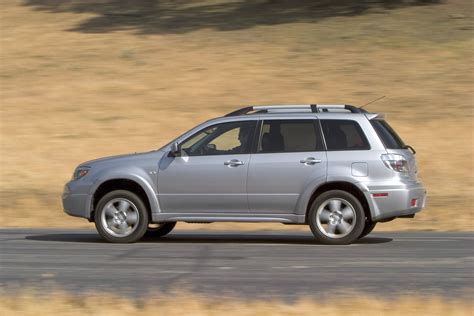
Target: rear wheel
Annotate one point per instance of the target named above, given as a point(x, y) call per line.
point(368, 228)
point(159, 230)
point(336, 218)
point(121, 217)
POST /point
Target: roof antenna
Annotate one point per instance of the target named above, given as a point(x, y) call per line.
point(372, 102)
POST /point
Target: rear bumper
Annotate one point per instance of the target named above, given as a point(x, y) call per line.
point(395, 200)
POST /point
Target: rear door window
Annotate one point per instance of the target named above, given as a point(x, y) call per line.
point(344, 135)
point(389, 137)
point(289, 136)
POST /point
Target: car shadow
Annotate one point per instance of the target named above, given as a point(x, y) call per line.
point(198, 237)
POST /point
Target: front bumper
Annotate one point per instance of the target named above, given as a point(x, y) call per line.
point(390, 201)
point(76, 204)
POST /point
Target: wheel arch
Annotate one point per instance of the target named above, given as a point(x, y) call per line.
point(343, 186)
point(127, 184)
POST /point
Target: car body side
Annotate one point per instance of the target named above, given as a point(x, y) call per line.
point(359, 171)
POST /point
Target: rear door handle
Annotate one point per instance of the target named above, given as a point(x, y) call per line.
point(310, 161)
point(234, 163)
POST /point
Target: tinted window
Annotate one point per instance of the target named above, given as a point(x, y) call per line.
point(221, 139)
point(344, 135)
point(289, 136)
point(388, 136)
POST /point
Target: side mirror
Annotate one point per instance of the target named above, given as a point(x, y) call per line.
point(175, 150)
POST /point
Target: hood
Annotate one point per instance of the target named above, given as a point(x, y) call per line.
point(120, 158)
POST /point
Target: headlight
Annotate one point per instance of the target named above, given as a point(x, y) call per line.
point(80, 172)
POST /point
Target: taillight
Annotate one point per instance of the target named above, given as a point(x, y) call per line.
point(395, 162)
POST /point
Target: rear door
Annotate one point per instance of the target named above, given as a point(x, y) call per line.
point(289, 154)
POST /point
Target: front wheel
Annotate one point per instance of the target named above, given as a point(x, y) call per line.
point(336, 218)
point(121, 217)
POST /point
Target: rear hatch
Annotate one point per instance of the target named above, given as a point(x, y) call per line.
point(394, 144)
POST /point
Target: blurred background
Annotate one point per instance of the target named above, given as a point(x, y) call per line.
point(82, 79)
point(85, 79)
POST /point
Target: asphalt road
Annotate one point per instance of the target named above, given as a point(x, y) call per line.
point(259, 264)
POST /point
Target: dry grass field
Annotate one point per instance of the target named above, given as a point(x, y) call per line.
point(59, 303)
point(85, 79)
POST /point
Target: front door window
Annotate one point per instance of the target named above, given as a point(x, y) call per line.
point(221, 139)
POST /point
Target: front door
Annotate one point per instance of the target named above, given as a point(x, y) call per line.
point(210, 175)
point(290, 154)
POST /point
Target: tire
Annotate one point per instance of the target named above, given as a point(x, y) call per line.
point(121, 217)
point(161, 230)
point(368, 228)
point(336, 218)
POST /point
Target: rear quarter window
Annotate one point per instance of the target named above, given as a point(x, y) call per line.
point(389, 137)
point(344, 135)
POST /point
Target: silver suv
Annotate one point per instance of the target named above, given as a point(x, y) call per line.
point(337, 168)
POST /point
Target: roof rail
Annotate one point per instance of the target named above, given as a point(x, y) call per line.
point(315, 108)
point(241, 111)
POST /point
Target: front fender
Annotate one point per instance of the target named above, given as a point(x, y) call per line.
point(139, 176)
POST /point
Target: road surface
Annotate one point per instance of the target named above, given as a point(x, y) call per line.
point(259, 264)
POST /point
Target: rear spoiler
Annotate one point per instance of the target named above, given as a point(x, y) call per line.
point(375, 116)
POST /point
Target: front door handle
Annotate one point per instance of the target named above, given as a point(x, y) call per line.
point(310, 161)
point(233, 163)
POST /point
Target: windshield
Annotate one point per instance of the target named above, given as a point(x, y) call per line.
point(389, 137)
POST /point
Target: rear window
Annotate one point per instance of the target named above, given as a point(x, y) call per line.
point(289, 136)
point(344, 135)
point(389, 138)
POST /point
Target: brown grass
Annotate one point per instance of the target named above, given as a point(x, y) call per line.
point(70, 96)
point(58, 303)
